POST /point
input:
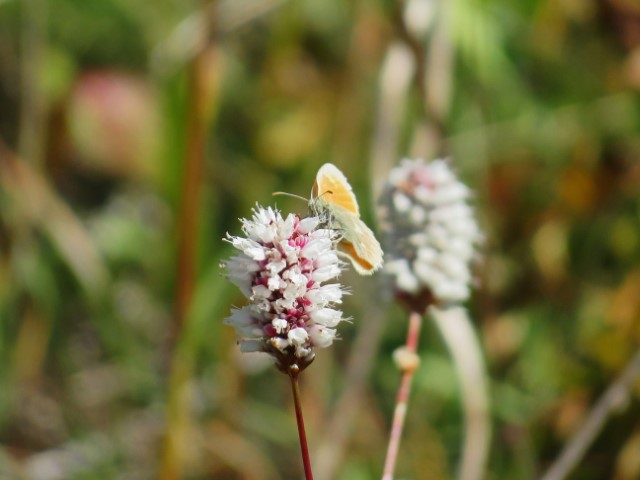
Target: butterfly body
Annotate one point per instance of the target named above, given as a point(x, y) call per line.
point(333, 197)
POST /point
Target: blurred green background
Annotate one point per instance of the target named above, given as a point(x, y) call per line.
point(134, 134)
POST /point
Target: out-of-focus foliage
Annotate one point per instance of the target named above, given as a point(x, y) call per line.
point(544, 125)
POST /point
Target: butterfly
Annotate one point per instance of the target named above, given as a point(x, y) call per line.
point(332, 195)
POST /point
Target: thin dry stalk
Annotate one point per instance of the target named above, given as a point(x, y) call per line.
point(395, 80)
point(402, 398)
point(429, 139)
point(331, 449)
point(614, 399)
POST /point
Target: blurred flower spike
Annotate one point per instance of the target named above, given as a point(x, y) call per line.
point(283, 267)
point(430, 233)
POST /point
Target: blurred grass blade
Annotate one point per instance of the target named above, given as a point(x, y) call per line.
point(34, 200)
point(615, 398)
point(189, 36)
point(33, 101)
point(461, 340)
point(478, 35)
point(234, 449)
point(397, 71)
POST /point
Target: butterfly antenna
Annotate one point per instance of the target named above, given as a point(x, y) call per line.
point(330, 192)
point(291, 195)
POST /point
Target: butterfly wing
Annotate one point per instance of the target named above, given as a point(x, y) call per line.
point(331, 187)
point(360, 245)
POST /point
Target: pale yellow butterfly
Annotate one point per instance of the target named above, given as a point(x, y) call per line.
point(332, 194)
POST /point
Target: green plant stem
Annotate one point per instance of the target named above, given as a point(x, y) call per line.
point(202, 98)
point(191, 188)
point(295, 389)
point(33, 119)
point(402, 398)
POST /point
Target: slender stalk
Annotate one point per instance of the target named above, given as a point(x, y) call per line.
point(464, 347)
point(204, 73)
point(33, 125)
point(396, 74)
point(204, 82)
point(191, 187)
point(332, 447)
point(304, 448)
point(186, 269)
point(402, 398)
point(613, 399)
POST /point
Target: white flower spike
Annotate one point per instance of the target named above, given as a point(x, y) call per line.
point(430, 231)
point(282, 267)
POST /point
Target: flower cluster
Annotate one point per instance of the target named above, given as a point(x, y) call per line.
point(282, 268)
point(430, 231)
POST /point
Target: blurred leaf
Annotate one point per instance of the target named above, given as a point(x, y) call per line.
point(32, 198)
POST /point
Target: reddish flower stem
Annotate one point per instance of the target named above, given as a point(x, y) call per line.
point(295, 388)
point(402, 398)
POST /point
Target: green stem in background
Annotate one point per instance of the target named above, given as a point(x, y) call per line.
point(204, 82)
point(295, 389)
point(204, 75)
point(33, 120)
point(408, 363)
point(191, 187)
